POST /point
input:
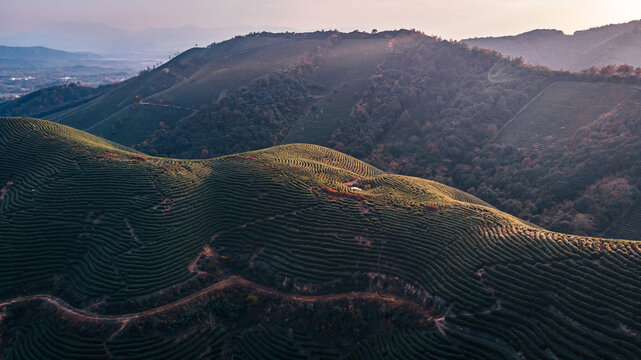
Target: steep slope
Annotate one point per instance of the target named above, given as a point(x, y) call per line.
point(560, 111)
point(568, 160)
point(201, 77)
point(601, 46)
point(295, 251)
point(442, 111)
point(363, 91)
point(265, 89)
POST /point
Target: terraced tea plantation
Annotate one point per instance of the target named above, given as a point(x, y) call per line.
point(295, 251)
point(559, 111)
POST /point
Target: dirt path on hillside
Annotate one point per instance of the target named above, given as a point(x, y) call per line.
point(145, 102)
point(228, 283)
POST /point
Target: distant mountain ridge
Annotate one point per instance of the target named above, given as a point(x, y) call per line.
point(599, 46)
point(42, 57)
point(151, 43)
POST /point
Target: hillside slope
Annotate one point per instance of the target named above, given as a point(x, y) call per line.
point(266, 89)
point(402, 101)
point(560, 111)
point(50, 100)
point(295, 251)
point(600, 46)
point(202, 77)
point(568, 161)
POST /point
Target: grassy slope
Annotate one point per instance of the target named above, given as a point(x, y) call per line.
point(132, 124)
point(559, 111)
point(120, 96)
point(94, 223)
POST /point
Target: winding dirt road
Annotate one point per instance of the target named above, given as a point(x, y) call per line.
point(228, 283)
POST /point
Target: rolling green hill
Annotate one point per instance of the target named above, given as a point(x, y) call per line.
point(295, 251)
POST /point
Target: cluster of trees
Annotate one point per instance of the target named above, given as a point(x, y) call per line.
point(621, 72)
point(251, 118)
point(435, 102)
point(45, 101)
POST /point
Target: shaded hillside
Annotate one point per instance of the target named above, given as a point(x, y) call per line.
point(357, 91)
point(49, 100)
point(586, 180)
point(559, 111)
point(601, 46)
point(295, 251)
point(202, 77)
point(264, 89)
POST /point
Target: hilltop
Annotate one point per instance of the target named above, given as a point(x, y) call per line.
point(295, 251)
point(597, 47)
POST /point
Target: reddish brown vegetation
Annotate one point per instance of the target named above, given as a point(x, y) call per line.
point(364, 209)
point(166, 205)
point(363, 240)
point(140, 159)
point(433, 208)
point(353, 183)
point(4, 190)
point(613, 71)
point(207, 251)
point(108, 155)
point(335, 194)
point(244, 157)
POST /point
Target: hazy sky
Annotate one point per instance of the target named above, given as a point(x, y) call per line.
point(449, 18)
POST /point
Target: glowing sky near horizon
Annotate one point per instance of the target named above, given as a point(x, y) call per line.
point(453, 19)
